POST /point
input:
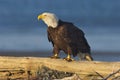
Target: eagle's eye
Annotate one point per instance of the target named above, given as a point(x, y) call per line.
point(45, 15)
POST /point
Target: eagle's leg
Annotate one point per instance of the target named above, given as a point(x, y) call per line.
point(55, 53)
point(68, 58)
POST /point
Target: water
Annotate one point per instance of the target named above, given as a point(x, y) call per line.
point(20, 30)
point(37, 40)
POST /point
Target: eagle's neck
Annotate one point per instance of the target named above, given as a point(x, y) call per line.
point(52, 22)
point(56, 25)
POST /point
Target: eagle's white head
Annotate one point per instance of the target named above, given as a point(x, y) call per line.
point(49, 18)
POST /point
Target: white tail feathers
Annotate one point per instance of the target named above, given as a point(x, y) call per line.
point(85, 56)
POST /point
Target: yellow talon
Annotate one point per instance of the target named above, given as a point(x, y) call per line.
point(68, 58)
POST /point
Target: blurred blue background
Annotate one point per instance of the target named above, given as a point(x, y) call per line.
point(21, 31)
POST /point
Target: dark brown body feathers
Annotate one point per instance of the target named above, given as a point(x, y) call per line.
point(68, 38)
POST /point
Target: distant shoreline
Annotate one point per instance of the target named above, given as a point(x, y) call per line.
point(44, 53)
point(97, 55)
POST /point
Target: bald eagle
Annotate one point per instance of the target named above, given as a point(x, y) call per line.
point(65, 36)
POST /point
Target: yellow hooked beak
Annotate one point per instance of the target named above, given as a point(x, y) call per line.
point(40, 16)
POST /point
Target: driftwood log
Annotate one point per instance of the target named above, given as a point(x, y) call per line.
point(27, 67)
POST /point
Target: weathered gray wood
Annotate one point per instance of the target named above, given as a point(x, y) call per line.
point(26, 67)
